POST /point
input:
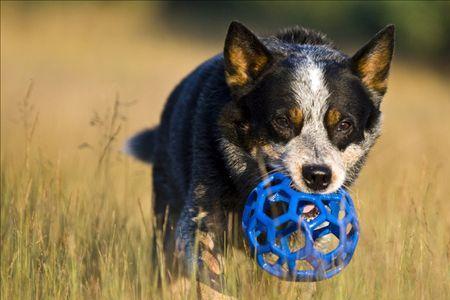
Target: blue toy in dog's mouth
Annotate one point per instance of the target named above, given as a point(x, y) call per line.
point(298, 236)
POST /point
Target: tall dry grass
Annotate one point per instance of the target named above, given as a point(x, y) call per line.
point(75, 212)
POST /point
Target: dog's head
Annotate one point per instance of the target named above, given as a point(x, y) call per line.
point(304, 107)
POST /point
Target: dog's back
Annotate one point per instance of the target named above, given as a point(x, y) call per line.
point(188, 119)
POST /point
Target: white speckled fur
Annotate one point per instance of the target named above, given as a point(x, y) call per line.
point(313, 145)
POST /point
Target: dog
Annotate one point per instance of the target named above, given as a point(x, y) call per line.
point(290, 102)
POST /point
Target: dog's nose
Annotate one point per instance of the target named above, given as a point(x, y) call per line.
point(316, 177)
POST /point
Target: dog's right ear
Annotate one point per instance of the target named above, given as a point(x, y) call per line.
point(245, 57)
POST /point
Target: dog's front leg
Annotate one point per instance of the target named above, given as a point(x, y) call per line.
point(200, 234)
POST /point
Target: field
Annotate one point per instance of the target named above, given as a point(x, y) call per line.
point(76, 216)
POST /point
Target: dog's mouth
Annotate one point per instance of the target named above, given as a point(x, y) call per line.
point(310, 212)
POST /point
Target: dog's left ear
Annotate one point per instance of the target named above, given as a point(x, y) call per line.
point(372, 62)
point(245, 57)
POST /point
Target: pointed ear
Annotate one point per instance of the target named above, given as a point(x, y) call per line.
point(245, 56)
point(372, 62)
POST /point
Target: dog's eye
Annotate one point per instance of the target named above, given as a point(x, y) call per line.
point(345, 126)
point(281, 121)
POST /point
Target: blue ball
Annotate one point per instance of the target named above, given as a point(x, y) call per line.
point(298, 236)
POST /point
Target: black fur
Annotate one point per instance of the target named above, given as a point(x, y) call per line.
point(142, 145)
point(304, 36)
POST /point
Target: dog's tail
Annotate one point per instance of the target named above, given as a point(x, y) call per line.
point(142, 145)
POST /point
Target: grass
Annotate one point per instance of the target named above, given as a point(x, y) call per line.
point(76, 217)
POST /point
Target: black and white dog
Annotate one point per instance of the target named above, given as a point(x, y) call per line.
point(290, 103)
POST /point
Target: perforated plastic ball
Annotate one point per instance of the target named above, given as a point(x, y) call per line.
point(298, 236)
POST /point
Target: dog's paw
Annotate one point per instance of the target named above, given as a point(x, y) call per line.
point(205, 261)
point(213, 263)
point(210, 265)
point(208, 256)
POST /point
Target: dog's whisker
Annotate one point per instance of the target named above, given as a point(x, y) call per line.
point(347, 188)
point(281, 169)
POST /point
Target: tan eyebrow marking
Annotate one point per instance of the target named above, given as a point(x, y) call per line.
point(296, 116)
point(333, 116)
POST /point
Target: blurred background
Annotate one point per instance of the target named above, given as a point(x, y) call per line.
point(78, 78)
point(81, 55)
